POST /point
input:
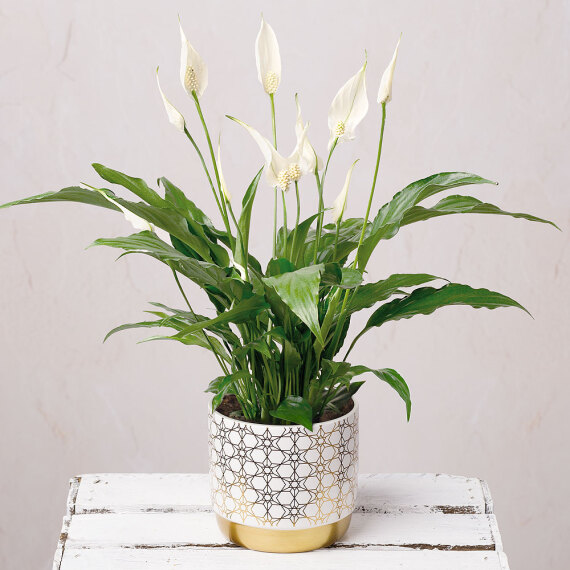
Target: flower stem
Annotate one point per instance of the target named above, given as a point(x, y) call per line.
point(214, 164)
point(274, 129)
point(321, 185)
point(339, 325)
point(199, 152)
point(273, 126)
point(336, 237)
point(342, 316)
point(244, 251)
point(373, 185)
point(285, 231)
point(275, 221)
point(297, 218)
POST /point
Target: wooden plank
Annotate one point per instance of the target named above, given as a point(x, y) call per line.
point(240, 559)
point(71, 498)
point(159, 521)
point(61, 543)
point(163, 530)
point(419, 493)
point(489, 507)
point(382, 493)
point(143, 492)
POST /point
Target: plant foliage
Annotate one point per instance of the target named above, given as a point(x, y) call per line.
point(279, 328)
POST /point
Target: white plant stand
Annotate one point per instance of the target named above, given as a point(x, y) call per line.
point(164, 521)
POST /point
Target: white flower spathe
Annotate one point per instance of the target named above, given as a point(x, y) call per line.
point(307, 153)
point(193, 70)
point(240, 268)
point(281, 171)
point(137, 222)
point(385, 91)
point(223, 184)
point(267, 58)
point(174, 116)
point(348, 108)
point(340, 202)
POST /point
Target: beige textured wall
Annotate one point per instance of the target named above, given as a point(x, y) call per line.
point(480, 86)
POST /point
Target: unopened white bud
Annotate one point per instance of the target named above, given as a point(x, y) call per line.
point(267, 58)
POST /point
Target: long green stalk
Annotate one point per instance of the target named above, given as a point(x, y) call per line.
point(201, 156)
point(215, 166)
point(273, 125)
point(244, 251)
point(274, 129)
point(336, 236)
point(321, 185)
point(347, 294)
point(297, 218)
point(284, 224)
point(275, 222)
point(365, 223)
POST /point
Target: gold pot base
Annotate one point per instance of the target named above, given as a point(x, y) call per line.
point(279, 540)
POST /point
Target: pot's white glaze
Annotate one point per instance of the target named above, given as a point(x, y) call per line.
point(283, 477)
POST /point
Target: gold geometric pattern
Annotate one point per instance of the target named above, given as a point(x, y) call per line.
point(283, 477)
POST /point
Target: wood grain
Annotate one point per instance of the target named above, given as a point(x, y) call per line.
point(412, 521)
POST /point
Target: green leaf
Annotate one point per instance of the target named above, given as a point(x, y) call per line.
point(179, 200)
point(290, 355)
point(188, 318)
point(198, 223)
point(341, 333)
point(297, 245)
point(241, 312)
point(391, 377)
point(280, 313)
point(332, 370)
point(351, 278)
point(295, 409)
point(223, 385)
point(343, 394)
point(389, 218)
point(343, 277)
point(369, 294)
point(145, 324)
point(143, 242)
point(463, 205)
point(426, 300)
point(70, 194)
point(197, 339)
point(299, 290)
point(136, 185)
point(242, 241)
point(183, 248)
point(279, 265)
point(149, 243)
point(348, 238)
point(169, 220)
point(259, 344)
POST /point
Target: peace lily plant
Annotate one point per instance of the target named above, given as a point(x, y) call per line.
point(280, 326)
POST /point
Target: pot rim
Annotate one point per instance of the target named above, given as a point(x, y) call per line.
point(328, 422)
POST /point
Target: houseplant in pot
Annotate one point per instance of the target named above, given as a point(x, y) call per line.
point(283, 423)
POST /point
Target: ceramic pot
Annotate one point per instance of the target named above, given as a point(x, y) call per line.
point(281, 488)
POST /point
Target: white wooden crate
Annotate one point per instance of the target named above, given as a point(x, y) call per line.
point(160, 521)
